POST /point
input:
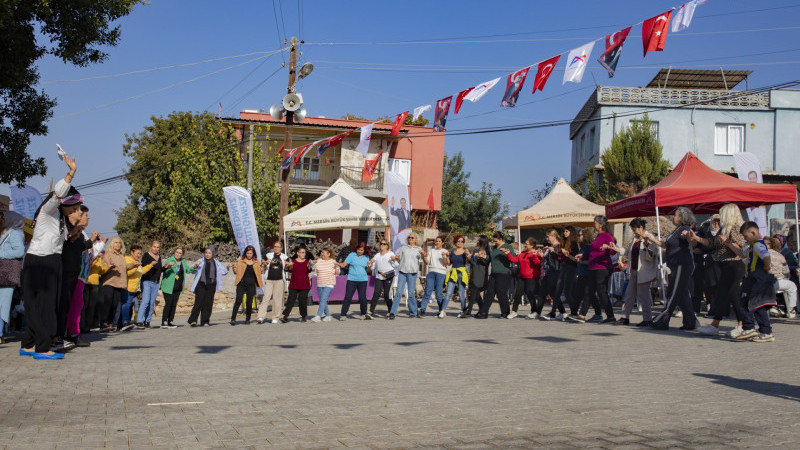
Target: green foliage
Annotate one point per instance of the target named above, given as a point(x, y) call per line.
point(593, 187)
point(634, 160)
point(465, 210)
point(72, 30)
point(354, 117)
point(179, 166)
point(409, 120)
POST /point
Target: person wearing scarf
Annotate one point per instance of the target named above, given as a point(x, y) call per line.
point(206, 283)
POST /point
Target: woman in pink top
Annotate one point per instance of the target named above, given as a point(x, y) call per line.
point(600, 269)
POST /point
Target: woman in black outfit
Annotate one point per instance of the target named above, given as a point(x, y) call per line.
point(680, 261)
point(248, 272)
point(569, 266)
point(479, 277)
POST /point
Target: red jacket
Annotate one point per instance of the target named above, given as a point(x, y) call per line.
point(530, 264)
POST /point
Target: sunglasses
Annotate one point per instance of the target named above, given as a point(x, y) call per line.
point(460, 240)
point(384, 243)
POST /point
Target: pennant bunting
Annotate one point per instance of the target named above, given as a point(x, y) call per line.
point(301, 152)
point(366, 136)
point(280, 150)
point(287, 159)
point(332, 142)
point(610, 57)
point(480, 90)
point(420, 110)
point(543, 71)
point(576, 63)
point(514, 84)
point(440, 117)
point(654, 32)
point(369, 167)
point(683, 17)
point(398, 123)
point(460, 98)
point(430, 200)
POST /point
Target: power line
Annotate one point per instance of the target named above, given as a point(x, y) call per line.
point(238, 83)
point(278, 30)
point(246, 94)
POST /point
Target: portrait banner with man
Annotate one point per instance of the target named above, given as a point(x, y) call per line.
point(748, 168)
point(399, 208)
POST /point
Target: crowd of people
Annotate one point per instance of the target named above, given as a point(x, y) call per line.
point(73, 283)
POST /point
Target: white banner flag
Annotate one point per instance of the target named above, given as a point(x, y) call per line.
point(420, 110)
point(399, 208)
point(748, 168)
point(26, 200)
point(683, 17)
point(366, 136)
point(480, 90)
point(243, 220)
point(576, 63)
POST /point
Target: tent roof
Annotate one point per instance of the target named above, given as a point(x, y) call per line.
point(562, 206)
point(340, 207)
point(702, 189)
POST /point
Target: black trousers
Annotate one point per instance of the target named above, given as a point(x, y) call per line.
point(476, 295)
point(498, 286)
point(41, 286)
point(680, 293)
point(529, 287)
point(698, 283)
point(203, 302)
point(598, 285)
point(242, 289)
point(68, 283)
point(727, 295)
point(300, 295)
point(170, 305)
point(583, 291)
point(111, 300)
point(382, 288)
point(549, 285)
point(712, 274)
point(565, 286)
point(91, 300)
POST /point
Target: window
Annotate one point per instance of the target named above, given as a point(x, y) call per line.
point(401, 166)
point(728, 138)
point(583, 146)
point(307, 169)
point(590, 149)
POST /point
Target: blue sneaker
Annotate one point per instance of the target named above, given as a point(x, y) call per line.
point(46, 356)
point(23, 352)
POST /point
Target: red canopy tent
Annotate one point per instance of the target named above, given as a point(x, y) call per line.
point(701, 189)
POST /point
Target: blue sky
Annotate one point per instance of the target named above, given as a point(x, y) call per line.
point(365, 65)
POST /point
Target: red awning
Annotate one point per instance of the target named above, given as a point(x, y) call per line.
point(702, 189)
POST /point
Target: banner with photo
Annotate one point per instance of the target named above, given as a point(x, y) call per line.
point(748, 168)
point(399, 208)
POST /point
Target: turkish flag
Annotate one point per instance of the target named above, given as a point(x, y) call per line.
point(398, 123)
point(300, 152)
point(654, 32)
point(430, 200)
point(369, 168)
point(280, 150)
point(460, 98)
point(543, 71)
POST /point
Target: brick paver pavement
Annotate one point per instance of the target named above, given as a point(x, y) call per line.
point(404, 383)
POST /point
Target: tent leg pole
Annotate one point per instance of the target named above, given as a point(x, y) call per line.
point(661, 262)
point(519, 233)
point(285, 244)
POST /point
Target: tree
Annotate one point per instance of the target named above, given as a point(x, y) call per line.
point(634, 160)
point(179, 166)
point(464, 210)
point(538, 194)
point(73, 30)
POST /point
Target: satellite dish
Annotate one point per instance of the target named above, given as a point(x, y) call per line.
point(300, 114)
point(277, 112)
point(292, 102)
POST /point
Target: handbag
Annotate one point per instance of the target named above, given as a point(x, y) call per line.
point(387, 275)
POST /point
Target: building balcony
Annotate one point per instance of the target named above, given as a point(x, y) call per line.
point(314, 178)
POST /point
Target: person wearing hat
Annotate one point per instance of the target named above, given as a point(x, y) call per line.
point(41, 272)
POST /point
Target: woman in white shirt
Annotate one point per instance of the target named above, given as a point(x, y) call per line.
point(382, 266)
point(437, 260)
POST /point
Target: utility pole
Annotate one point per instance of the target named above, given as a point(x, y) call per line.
point(287, 138)
point(250, 163)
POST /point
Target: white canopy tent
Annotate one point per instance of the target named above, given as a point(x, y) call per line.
point(339, 208)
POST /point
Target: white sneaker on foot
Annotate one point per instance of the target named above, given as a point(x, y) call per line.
point(736, 332)
point(764, 337)
point(326, 319)
point(708, 330)
point(442, 314)
point(274, 320)
point(533, 315)
point(747, 335)
point(791, 315)
point(678, 314)
point(316, 319)
point(511, 315)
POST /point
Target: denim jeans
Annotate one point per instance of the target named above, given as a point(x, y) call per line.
point(127, 303)
point(149, 293)
point(323, 292)
point(403, 280)
point(451, 287)
point(434, 280)
point(350, 289)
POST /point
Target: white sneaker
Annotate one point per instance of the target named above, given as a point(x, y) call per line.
point(274, 320)
point(774, 312)
point(342, 318)
point(260, 321)
point(560, 318)
point(791, 315)
point(747, 335)
point(511, 315)
point(533, 315)
point(316, 319)
point(326, 319)
point(678, 314)
point(736, 332)
point(763, 337)
point(442, 314)
point(708, 330)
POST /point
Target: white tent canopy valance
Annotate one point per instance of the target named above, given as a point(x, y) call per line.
point(562, 206)
point(339, 208)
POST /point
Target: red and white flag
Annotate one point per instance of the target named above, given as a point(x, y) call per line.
point(398, 123)
point(543, 71)
point(514, 84)
point(301, 152)
point(440, 117)
point(430, 200)
point(369, 167)
point(460, 98)
point(480, 90)
point(654, 32)
point(610, 57)
point(366, 136)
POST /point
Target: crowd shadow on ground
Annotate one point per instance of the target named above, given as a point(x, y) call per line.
point(779, 390)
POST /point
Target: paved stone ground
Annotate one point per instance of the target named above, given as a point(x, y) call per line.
point(406, 383)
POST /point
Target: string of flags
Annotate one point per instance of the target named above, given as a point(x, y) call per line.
point(654, 38)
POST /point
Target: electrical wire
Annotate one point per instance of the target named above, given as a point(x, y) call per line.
point(278, 29)
point(238, 83)
point(246, 94)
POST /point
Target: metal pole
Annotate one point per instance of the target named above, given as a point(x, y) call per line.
point(287, 138)
point(660, 260)
point(250, 163)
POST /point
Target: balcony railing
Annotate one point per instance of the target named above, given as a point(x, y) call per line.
point(682, 97)
point(314, 174)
